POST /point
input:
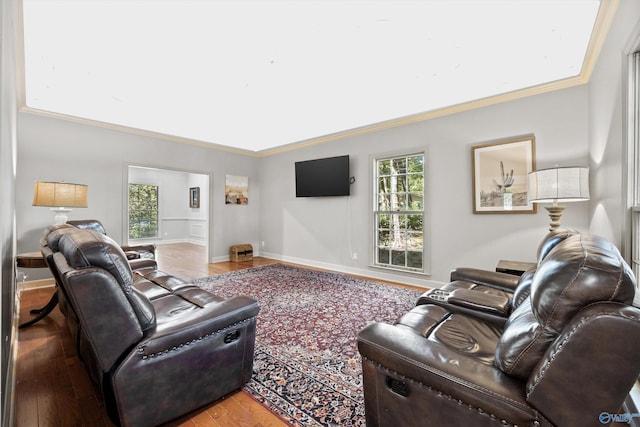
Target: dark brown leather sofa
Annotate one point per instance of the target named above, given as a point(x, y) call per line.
point(156, 347)
point(567, 355)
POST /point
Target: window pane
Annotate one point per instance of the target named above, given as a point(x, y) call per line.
point(383, 256)
point(400, 201)
point(384, 184)
point(414, 223)
point(384, 167)
point(383, 221)
point(400, 185)
point(384, 202)
point(416, 164)
point(414, 259)
point(416, 202)
point(416, 183)
point(384, 239)
point(399, 166)
point(398, 258)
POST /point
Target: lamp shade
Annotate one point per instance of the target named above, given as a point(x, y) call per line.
point(60, 194)
point(565, 184)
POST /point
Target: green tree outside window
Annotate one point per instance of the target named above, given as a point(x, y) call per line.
point(399, 212)
point(143, 211)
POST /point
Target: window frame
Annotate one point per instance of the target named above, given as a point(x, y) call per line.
point(374, 212)
point(158, 231)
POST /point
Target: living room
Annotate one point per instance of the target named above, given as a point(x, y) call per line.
point(584, 124)
point(565, 123)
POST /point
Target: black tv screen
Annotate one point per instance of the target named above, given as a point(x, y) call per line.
point(323, 177)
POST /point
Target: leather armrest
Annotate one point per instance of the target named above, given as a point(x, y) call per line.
point(143, 264)
point(480, 301)
point(132, 254)
point(195, 324)
point(494, 279)
point(140, 248)
point(401, 350)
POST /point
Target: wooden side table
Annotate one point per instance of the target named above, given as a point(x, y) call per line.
point(31, 260)
point(35, 260)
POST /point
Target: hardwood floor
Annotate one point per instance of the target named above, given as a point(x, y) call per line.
point(53, 389)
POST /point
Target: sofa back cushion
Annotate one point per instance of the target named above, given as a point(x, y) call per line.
point(578, 271)
point(87, 248)
point(584, 269)
point(53, 233)
point(550, 241)
point(88, 224)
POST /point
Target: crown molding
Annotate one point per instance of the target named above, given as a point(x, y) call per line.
point(136, 131)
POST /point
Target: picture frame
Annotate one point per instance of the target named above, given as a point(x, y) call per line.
point(236, 190)
point(194, 197)
point(500, 178)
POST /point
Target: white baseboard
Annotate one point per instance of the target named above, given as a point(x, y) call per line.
point(36, 284)
point(365, 272)
point(169, 241)
point(10, 395)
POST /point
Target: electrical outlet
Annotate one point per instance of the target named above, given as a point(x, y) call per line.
point(355, 256)
point(262, 244)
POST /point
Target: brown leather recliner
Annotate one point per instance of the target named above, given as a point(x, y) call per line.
point(566, 356)
point(156, 347)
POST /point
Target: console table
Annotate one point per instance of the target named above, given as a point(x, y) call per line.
point(35, 260)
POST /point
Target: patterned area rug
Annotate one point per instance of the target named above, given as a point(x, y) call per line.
point(307, 368)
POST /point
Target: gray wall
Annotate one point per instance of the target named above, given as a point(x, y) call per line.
point(322, 231)
point(7, 203)
point(53, 149)
point(608, 128)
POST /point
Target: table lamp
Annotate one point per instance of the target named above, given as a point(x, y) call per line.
point(558, 184)
point(60, 196)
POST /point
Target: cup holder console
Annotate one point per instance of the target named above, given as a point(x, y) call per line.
point(438, 295)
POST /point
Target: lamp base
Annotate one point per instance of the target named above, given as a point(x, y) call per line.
point(555, 213)
point(61, 215)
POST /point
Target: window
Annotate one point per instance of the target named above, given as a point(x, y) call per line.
point(143, 211)
point(399, 212)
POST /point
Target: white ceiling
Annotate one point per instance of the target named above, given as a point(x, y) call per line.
point(255, 75)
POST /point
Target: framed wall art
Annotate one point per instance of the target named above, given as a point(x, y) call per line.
point(500, 176)
point(236, 190)
point(194, 197)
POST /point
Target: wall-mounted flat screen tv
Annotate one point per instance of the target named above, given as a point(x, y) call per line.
point(323, 177)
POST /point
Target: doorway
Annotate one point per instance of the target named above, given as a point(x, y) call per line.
point(167, 206)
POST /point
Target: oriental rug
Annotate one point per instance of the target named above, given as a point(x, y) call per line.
point(307, 368)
